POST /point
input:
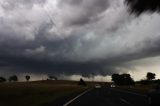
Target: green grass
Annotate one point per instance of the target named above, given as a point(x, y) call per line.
point(35, 93)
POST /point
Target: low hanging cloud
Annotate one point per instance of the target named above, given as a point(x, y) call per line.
point(74, 36)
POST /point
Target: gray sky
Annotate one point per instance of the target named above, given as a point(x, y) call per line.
point(77, 37)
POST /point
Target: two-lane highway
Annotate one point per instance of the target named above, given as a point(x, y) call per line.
point(108, 97)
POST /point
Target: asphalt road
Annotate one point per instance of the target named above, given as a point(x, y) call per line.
point(106, 96)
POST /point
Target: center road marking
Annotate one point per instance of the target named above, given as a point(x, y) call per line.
point(66, 104)
point(126, 102)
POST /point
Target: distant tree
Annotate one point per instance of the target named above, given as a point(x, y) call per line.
point(127, 79)
point(52, 78)
point(82, 82)
point(116, 78)
point(150, 76)
point(2, 79)
point(27, 77)
point(13, 78)
point(122, 79)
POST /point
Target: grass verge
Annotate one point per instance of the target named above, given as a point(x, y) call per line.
point(35, 93)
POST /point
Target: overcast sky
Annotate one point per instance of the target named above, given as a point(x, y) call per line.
point(77, 37)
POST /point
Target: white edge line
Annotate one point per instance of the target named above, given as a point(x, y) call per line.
point(123, 100)
point(131, 92)
point(136, 93)
point(66, 104)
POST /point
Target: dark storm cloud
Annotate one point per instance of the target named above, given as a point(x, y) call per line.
point(57, 64)
point(88, 37)
point(140, 6)
point(15, 57)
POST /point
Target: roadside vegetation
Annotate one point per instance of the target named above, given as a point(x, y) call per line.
point(125, 82)
point(36, 93)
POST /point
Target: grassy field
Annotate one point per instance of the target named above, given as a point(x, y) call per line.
point(35, 93)
point(143, 89)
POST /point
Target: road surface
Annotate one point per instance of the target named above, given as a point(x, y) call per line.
point(109, 97)
point(105, 96)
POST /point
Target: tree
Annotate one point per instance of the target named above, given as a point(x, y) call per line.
point(81, 82)
point(53, 78)
point(27, 77)
point(116, 78)
point(122, 79)
point(2, 79)
point(150, 76)
point(140, 6)
point(127, 80)
point(13, 78)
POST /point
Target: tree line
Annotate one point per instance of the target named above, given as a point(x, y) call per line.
point(118, 79)
point(13, 78)
point(122, 79)
point(125, 79)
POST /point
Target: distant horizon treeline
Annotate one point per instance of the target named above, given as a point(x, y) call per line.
point(118, 79)
point(14, 78)
point(125, 79)
point(122, 79)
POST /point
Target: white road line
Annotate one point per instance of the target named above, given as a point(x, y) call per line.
point(126, 102)
point(136, 94)
point(131, 92)
point(66, 104)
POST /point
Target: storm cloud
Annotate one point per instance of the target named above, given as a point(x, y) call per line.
point(74, 36)
point(140, 6)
